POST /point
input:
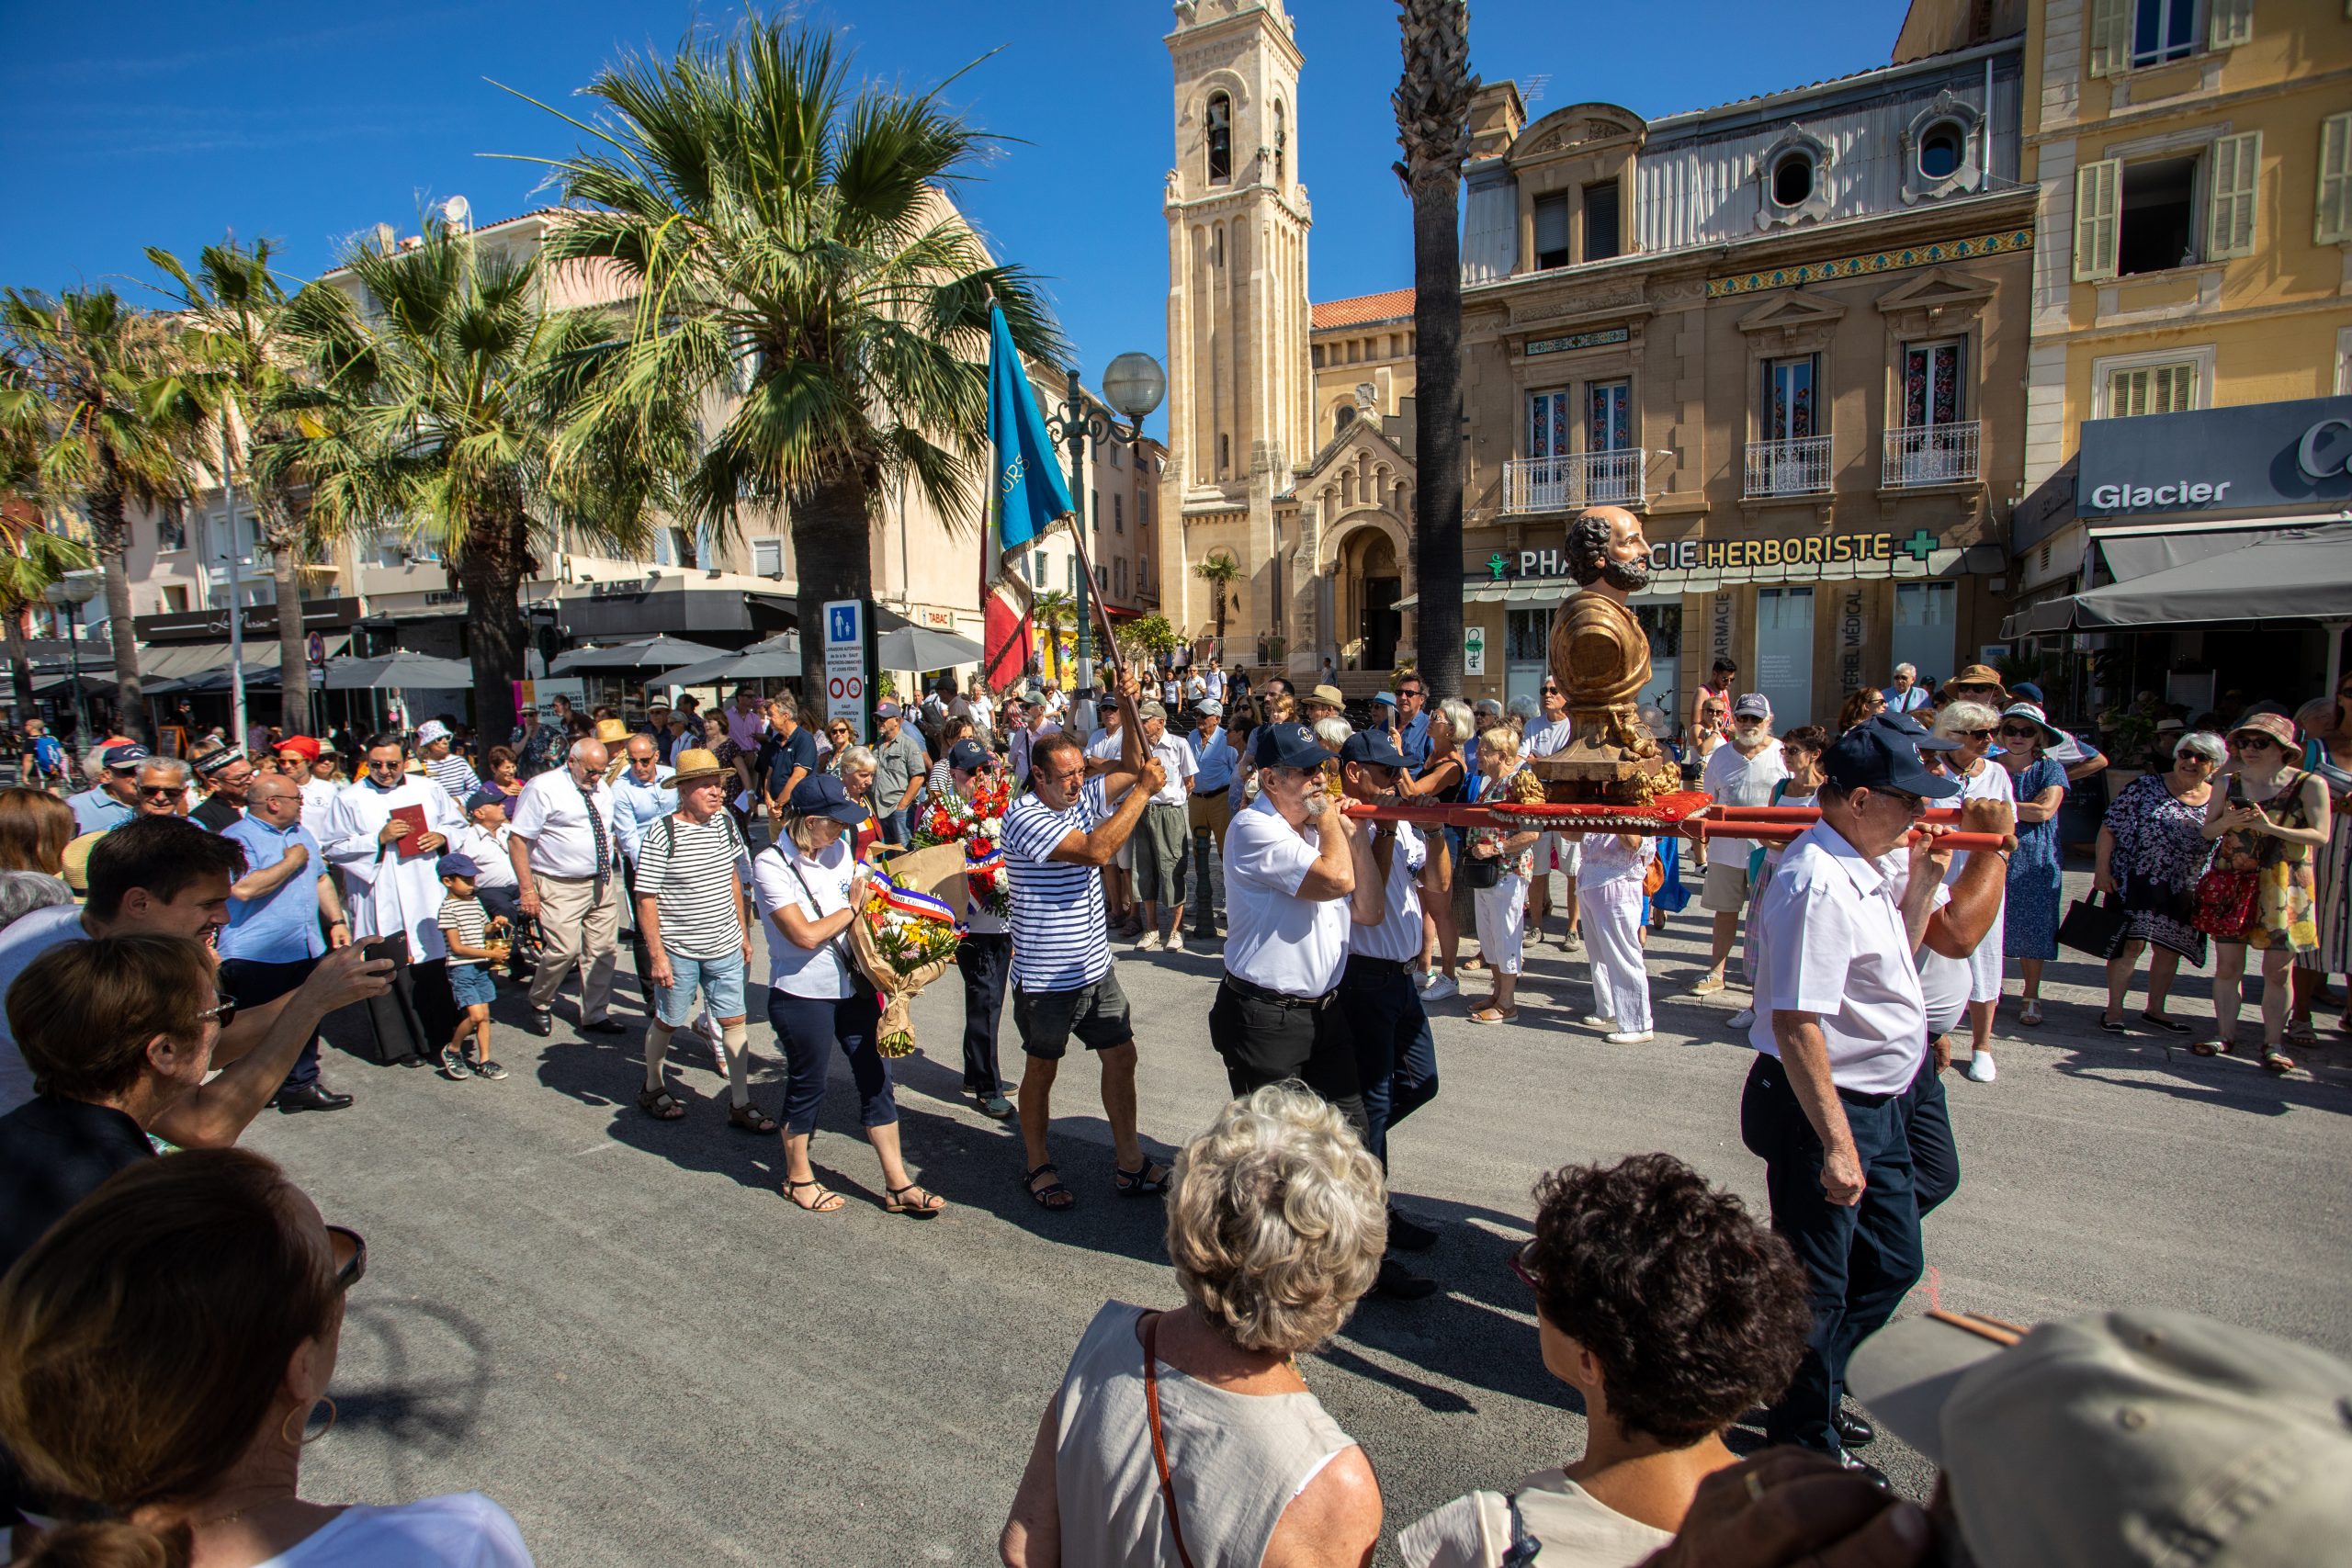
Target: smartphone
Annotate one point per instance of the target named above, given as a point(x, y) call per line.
point(379, 950)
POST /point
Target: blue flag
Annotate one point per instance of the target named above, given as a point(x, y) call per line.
point(1026, 489)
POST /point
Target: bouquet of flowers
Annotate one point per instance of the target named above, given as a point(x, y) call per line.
point(905, 936)
point(977, 824)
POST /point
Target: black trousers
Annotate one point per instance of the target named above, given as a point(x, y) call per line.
point(418, 1015)
point(253, 982)
point(640, 956)
point(1395, 1053)
point(1859, 1261)
point(1265, 1038)
point(1927, 1124)
point(985, 960)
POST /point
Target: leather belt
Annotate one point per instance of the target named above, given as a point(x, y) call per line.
point(1405, 967)
point(1256, 993)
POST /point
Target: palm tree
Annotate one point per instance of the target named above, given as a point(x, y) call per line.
point(800, 278)
point(1051, 608)
point(433, 410)
point(236, 316)
point(120, 422)
point(1219, 570)
point(1433, 104)
point(31, 558)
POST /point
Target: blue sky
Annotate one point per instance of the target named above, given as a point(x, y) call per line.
point(145, 123)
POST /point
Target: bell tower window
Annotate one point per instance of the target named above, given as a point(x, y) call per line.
point(1220, 137)
point(1281, 149)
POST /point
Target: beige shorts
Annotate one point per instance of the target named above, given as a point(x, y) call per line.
point(1725, 891)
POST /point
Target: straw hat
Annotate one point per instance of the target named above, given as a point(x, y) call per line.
point(611, 731)
point(695, 764)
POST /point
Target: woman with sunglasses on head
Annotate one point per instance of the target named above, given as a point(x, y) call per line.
point(164, 1348)
point(2029, 916)
point(1973, 725)
point(2326, 723)
point(2269, 825)
point(2151, 850)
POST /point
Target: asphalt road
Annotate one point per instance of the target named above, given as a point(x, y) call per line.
point(621, 1330)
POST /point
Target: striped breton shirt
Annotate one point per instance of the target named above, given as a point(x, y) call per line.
point(689, 869)
point(1059, 941)
point(465, 918)
point(455, 774)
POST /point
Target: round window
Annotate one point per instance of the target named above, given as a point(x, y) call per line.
point(1792, 180)
point(1939, 151)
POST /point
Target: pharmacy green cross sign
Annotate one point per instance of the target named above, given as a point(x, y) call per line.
point(1920, 544)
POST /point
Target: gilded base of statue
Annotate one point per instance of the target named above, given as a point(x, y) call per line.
point(1611, 761)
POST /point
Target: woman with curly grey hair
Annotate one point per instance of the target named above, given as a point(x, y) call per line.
point(1277, 1223)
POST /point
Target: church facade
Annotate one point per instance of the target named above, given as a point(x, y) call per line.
point(1788, 332)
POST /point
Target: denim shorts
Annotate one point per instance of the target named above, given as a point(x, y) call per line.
point(471, 985)
point(721, 980)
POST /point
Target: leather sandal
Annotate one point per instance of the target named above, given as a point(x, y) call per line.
point(660, 1104)
point(1053, 1195)
point(898, 1203)
point(749, 1118)
point(826, 1202)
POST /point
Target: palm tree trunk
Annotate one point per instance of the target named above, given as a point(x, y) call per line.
point(112, 532)
point(293, 664)
point(832, 548)
point(20, 664)
point(489, 570)
point(1437, 431)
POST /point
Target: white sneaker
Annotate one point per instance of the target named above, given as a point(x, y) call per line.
point(1439, 987)
point(1573, 942)
point(1742, 1019)
point(1980, 1067)
point(1629, 1037)
point(1606, 1025)
point(1176, 940)
point(1149, 942)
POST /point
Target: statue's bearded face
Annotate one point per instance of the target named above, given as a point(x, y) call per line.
point(1605, 543)
point(1629, 554)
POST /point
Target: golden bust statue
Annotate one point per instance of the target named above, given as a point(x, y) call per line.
point(1602, 659)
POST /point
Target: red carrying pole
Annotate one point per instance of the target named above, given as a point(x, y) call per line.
point(1807, 815)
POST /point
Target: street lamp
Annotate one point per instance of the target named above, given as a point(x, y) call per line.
point(1133, 385)
point(75, 589)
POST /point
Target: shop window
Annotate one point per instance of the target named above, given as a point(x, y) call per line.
point(2151, 388)
point(1527, 639)
point(1785, 652)
point(1792, 180)
point(1220, 139)
point(1551, 232)
point(1601, 221)
point(1931, 386)
point(1927, 623)
point(1941, 149)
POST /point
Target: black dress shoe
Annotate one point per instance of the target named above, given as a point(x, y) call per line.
point(1853, 1430)
point(1408, 1234)
point(1400, 1283)
point(311, 1095)
point(541, 1023)
point(605, 1026)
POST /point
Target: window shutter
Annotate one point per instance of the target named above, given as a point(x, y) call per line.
point(2112, 36)
point(2237, 167)
point(2333, 223)
point(2095, 193)
point(2232, 23)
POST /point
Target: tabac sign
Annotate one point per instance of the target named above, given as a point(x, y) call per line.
point(2254, 457)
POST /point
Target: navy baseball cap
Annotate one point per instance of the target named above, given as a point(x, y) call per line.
point(118, 758)
point(453, 865)
point(481, 798)
point(2025, 690)
point(1878, 756)
point(821, 795)
point(965, 755)
point(1372, 746)
point(1287, 746)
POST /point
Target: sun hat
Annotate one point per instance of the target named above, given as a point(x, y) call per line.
point(695, 764)
point(2032, 713)
point(1977, 675)
point(456, 864)
point(611, 731)
point(432, 729)
point(1327, 695)
point(2277, 726)
point(1384, 699)
point(2133, 1436)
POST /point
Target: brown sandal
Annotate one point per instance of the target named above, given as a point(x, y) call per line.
point(1493, 1015)
point(826, 1202)
point(660, 1104)
point(2278, 1062)
point(898, 1203)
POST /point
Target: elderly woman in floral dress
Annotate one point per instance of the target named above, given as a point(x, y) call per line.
point(2151, 854)
point(2269, 824)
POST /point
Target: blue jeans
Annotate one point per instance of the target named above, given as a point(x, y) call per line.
point(1860, 1262)
point(807, 1028)
point(1395, 1053)
point(721, 982)
point(471, 985)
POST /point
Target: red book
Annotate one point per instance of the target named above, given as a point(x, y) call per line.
point(414, 815)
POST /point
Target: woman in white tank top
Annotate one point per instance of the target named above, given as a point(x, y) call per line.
point(1204, 1405)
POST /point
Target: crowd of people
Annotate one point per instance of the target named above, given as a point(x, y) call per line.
point(173, 934)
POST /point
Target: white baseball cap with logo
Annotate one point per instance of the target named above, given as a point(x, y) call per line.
point(2139, 1437)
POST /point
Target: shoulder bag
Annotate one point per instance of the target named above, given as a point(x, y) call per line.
point(859, 986)
point(2094, 925)
point(1159, 1442)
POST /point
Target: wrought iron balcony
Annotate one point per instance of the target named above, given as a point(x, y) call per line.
point(1788, 468)
point(1576, 479)
point(1932, 455)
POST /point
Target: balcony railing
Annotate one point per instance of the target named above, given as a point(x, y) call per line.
point(1932, 455)
point(1788, 468)
point(1576, 479)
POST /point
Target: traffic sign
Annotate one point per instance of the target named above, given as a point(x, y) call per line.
point(845, 622)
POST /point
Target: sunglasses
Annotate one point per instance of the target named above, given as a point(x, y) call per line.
point(1518, 1264)
point(2243, 742)
point(350, 1250)
point(223, 1008)
point(1914, 804)
point(1977, 734)
point(160, 792)
point(393, 764)
point(2019, 732)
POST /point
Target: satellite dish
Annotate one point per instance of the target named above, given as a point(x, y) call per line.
point(385, 237)
point(458, 211)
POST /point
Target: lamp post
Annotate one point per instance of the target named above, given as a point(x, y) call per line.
point(69, 593)
point(1133, 385)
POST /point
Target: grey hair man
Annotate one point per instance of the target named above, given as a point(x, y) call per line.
point(565, 862)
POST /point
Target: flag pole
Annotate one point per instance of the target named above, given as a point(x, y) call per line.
point(1092, 602)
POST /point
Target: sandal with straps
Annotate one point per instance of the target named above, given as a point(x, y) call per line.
point(660, 1104)
point(750, 1118)
point(827, 1201)
point(1146, 1181)
point(1051, 1196)
point(898, 1203)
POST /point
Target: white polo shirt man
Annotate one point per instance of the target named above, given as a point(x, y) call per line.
point(566, 859)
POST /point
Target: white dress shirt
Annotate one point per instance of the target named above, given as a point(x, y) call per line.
point(489, 851)
point(1177, 758)
point(1838, 950)
point(1275, 938)
point(1397, 937)
point(551, 815)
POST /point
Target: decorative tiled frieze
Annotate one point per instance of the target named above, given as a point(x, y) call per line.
point(2003, 244)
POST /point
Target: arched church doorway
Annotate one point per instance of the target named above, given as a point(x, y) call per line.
point(1371, 584)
